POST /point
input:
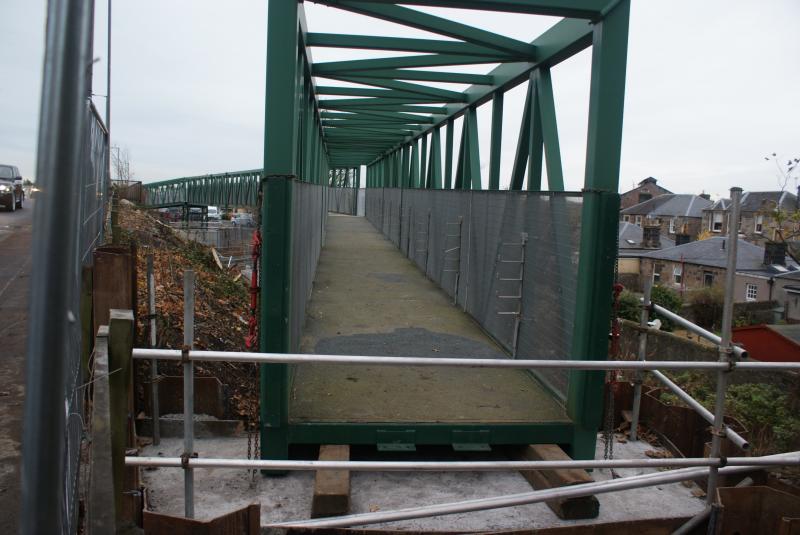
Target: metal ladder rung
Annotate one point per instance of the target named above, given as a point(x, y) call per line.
point(452, 249)
point(511, 261)
point(517, 280)
point(509, 296)
point(512, 244)
point(508, 313)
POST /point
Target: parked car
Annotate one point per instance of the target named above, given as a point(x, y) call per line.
point(12, 195)
point(213, 214)
point(243, 220)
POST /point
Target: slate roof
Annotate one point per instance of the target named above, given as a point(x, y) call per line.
point(645, 181)
point(670, 205)
point(710, 252)
point(753, 201)
point(628, 232)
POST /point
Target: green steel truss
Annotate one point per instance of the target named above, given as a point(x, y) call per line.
point(389, 118)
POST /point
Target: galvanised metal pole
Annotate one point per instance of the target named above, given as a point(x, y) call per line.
point(537, 496)
point(188, 391)
point(789, 459)
point(280, 172)
point(151, 292)
point(732, 435)
point(725, 347)
point(691, 327)
point(62, 125)
point(644, 316)
point(577, 364)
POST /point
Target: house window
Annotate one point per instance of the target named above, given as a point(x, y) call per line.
point(639, 220)
point(759, 224)
point(626, 218)
point(716, 222)
point(672, 226)
point(657, 272)
point(708, 279)
point(677, 274)
point(645, 197)
point(750, 292)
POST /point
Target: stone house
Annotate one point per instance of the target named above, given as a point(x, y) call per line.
point(757, 224)
point(702, 264)
point(646, 190)
point(679, 216)
point(633, 241)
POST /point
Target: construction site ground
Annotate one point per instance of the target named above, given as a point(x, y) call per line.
point(284, 498)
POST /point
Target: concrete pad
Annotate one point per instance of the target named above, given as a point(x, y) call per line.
point(289, 498)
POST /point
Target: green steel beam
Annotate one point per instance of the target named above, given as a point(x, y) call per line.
point(496, 141)
point(415, 180)
point(448, 155)
point(398, 44)
point(523, 143)
point(280, 149)
point(403, 108)
point(423, 166)
point(404, 87)
point(563, 40)
point(579, 9)
point(598, 248)
point(535, 138)
point(438, 25)
point(426, 76)
point(549, 128)
point(435, 161)
point(402, 62)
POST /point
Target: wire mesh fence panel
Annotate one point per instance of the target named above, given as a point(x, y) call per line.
point(342, 200)
point(309, 216)
point(508, 258)
point(93, 199)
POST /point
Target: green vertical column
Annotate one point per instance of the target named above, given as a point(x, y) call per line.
point(473, 149)
point(549, 129)
point(435, 160)
point(448, 155)
point(415, 180)
point(598, 224)
point(497, 140)
point(280, 160)
point(405, 174)
point(523, 143)
point(423, 166)
point(535, 151)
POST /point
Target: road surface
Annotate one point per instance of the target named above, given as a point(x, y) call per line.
point(15, 266)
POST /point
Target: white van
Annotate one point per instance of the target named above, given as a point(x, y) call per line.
point(213, 213)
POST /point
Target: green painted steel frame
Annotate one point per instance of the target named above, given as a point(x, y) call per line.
point(387, 124)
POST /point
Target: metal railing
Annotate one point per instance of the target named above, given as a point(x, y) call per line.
point(687, 468)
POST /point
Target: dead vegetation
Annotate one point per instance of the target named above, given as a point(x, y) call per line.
point(221, 306)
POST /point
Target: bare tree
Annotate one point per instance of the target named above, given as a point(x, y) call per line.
point(121, 161)
point(785, 221)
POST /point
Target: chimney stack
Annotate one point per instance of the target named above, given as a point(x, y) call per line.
point(651, 236)
point(774, 253)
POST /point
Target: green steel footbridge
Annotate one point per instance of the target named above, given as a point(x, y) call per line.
point(396, 117)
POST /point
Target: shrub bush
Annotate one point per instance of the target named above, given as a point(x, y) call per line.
point(707, 307)
point(629, 306)
point(669, 299)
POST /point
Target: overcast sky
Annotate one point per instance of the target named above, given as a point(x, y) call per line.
point(712, 87)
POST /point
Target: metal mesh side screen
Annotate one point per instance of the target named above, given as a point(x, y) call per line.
point(341, 200)
point(93, 200)
point(477, 245)
point(309, 215)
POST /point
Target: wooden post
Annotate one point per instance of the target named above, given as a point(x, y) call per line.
point(104, 492)
point(332, 487)
point(566, 508)
point(120, 348)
